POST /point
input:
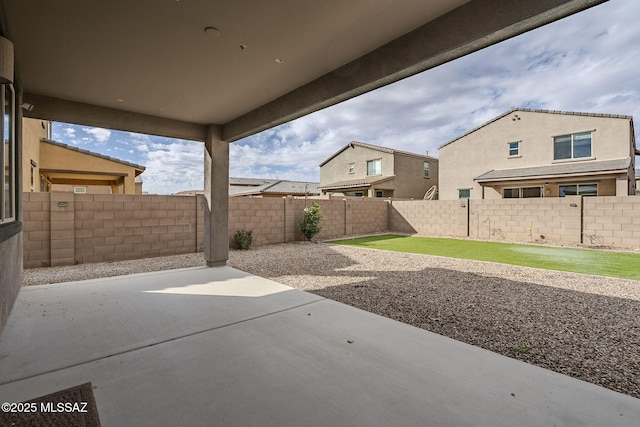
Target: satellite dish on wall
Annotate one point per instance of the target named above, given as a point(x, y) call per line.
point(6, 61)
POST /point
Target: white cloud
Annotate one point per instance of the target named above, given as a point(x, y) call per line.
point(100, 135)
point(173, 166)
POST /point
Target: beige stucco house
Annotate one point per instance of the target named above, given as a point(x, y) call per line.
point(52, 166)
point(540, 153)
point(360, 169)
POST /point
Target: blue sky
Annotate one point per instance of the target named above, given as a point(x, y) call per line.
point(588, 62)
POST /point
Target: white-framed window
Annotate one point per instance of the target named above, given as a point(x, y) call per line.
point(379, 193)
point(522, 192)
point(80, 190)
point(578, 190)
point(514, 149)
point(352, 167)
point(464, 193)
point(374, 167)
point(574, 146)
point(7, 155)
point(426, 169)
point(355, 193)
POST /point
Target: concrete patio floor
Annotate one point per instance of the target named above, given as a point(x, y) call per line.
point(216, 346)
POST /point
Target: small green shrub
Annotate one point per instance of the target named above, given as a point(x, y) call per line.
point(310, 224)
point(243, 238)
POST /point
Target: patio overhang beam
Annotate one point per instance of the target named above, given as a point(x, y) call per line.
point(446, 38)
point(60, 110)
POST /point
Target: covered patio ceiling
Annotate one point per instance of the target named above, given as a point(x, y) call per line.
point(173, 67)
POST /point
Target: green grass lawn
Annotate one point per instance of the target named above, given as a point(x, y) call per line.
point(598, 262)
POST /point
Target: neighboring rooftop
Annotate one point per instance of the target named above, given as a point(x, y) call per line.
point(258, 186)
point(604, 166)
point(91, 153)
point(356, 183)
point(273, 187)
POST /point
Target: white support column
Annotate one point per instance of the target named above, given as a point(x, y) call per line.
point(216, 198)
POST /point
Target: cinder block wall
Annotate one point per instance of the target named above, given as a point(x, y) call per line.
point(265, 217)
point(114, 227)
point(612, 221)
point(367, 216)
point(36, 229)
point(67, 228)
point(526, 220)
point(429, 217)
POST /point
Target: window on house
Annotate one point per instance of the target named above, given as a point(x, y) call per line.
point(464, 193)
point(352, 167)
point(374, 167)
point(80, 190)
point(426, 169)
point(522, 192)
point(574, 146)
point(7, 156)
point(578, 190)
point(379, 193)
point(514, 149)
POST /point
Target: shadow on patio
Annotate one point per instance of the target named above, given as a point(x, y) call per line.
point(218, 346)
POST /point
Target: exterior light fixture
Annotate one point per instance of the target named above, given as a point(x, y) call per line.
point(6, 61)
point(279, 61)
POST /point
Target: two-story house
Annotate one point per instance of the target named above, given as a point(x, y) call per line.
point(540, 153)
point(360, 169)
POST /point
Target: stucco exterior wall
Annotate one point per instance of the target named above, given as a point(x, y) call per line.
point(10, 274)
point(410, 182)
point(337, 169)
point(487, 148)
point(59, 158)
point(32, 131)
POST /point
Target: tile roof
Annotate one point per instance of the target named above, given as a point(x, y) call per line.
point(618, 165)
point(274, 186)
point(532, 110)
point(354, 183)
point(91, 153)
point(377, 148)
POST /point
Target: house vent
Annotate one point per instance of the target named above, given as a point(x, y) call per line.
point(80, 190)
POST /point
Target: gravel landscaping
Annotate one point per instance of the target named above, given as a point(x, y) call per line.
point(584, 326)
